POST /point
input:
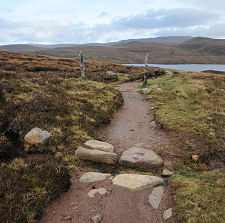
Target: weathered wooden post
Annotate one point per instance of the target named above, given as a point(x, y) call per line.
point(146, 70)
point(82, 64)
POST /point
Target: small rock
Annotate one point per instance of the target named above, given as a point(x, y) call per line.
point(103, 146)
point(153, 124)
point(149, 98)
point(140, 157)
point(136, 181)
point(110, 72)
point(72, 204)
point(97, 219)
point(195, 157)
point(67, 218)
point(167, 173)
point(101, 191)
point(96, 155)
point(167, 214)
point(153, 86)
point(37, 136)
point(145, 90)
point(169, 72)
point(64, 215)
point(152, 108)
point(91, 177)
point(155, 197)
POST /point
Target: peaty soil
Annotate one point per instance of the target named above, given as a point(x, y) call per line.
point(130, 126)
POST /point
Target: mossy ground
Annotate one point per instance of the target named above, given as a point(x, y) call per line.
point(199, 197)
point(192, 106)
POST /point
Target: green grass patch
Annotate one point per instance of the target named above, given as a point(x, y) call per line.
point(199, 198)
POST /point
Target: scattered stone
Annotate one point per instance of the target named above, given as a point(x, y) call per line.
point(138, 157)
point(195, 157)
point(155, 197)
point(67, 218)
point(155, 87)
point(169, 72)
point(72, 204)
point(97, 219)
point(91, 177)
point(96, 155)
point(37, 136)
point(101, 191)
point(153, 124)
point(110, 72)
point(167, 214)
point(64, 215)
point(136, 181)
point(145, 90)
point(167, 173)
point(149, 97)
point(103, 146)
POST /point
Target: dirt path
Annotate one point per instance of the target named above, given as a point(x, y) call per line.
point(130, 126)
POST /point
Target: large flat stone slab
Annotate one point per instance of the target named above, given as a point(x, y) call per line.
point(136, 181)
point(140, 157)
point(155, 197)
point(96, 155)
point(91, 177)
point(99, 145)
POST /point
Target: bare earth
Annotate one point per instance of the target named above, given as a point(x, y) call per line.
point(130, 126)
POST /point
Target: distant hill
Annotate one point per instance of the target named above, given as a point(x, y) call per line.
point(206, 46)
point(163, 39)
point(21, 48)
point(162, 50)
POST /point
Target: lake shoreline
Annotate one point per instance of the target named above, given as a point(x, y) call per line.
point(188, 67)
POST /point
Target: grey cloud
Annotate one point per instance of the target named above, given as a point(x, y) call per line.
point(102, 15)
point(166, 18)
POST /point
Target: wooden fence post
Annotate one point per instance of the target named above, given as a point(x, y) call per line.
point(82, 64)
point(146, 70)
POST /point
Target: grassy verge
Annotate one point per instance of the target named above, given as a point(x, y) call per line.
point(192, 105)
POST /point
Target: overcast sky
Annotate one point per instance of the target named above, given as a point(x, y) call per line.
point(82, 21)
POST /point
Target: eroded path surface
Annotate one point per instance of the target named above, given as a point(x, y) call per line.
point(130, 126)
